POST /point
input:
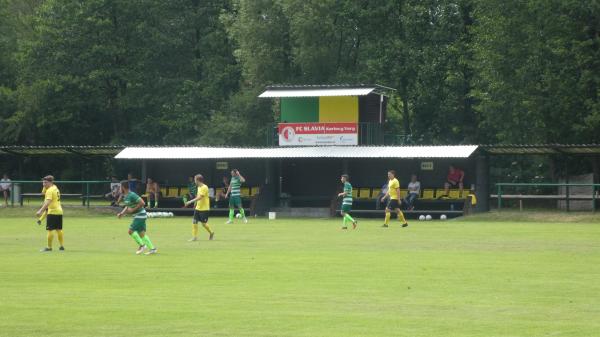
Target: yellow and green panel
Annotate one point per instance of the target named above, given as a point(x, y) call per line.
point(319, 109)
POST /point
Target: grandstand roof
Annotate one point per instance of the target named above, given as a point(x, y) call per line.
point(275, 91)
point(102, 150)
point(454, 151)
point(516, 149)
point(183, 152)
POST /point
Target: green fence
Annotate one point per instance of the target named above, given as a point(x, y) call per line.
point(540, 191)
point(83, 191)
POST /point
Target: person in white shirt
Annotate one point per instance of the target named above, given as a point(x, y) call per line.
point(5, 187)
point(414, 191)
point(115, 191)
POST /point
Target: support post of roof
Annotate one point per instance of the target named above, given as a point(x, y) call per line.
point(595, 168)
point(267, 171)
point(482, 184)
point(144, 171)
point(279, 182)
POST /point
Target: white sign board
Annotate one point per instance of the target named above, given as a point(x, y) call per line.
point(311, 134)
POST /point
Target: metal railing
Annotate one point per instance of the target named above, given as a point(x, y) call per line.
point(88, 189)
point(567, 197)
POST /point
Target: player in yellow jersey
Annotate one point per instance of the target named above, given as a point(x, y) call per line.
point(393, 204)
point(202, 209)
point(54, 219)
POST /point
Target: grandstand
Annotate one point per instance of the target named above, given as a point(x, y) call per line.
point(304, 180)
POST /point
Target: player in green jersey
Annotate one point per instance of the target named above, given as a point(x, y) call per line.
point(347, 202)
point(134, 205)
point(235, 196)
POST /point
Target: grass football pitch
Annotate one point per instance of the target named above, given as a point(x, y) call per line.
point(481, 276)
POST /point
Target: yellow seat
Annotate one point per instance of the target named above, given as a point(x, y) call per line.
point(245, 191)
point(364, 193)
point(454, 193)
point(163, 191)
point(428, 193)
point(354, 193)
point(375, 192)
point(403, 193)
point(440, 192)
point(254, 191)
point(172, 191)
point(184, 191)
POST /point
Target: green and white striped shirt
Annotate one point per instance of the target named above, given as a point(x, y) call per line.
point(131, 200)
point(235, 184)
point(347, 194)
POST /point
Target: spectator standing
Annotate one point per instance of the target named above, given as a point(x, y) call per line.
point(115, 191)
point(5, 187)
point(133, 182)
point(153, 193)
point(222, 191)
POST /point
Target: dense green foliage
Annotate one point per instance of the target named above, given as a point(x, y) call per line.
point(189, 71)
point(293, 277)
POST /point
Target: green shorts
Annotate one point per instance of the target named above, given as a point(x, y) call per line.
point(235, 202)
point(346, 208)
point(138, 225)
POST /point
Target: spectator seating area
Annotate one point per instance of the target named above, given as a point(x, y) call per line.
point(365, 193)
point(430, 201)
point(171, 198)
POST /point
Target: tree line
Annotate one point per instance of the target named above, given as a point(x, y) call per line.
point(189, 71)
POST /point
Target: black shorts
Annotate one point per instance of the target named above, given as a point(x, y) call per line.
point(53, 222)
point(393, 204)
point(200, 216)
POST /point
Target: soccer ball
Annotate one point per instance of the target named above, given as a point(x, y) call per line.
point(428, 217)
point(443, 217)
point(239, 215)
point(422, 217)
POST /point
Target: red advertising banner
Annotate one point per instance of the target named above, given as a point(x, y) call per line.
point(307, 134)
